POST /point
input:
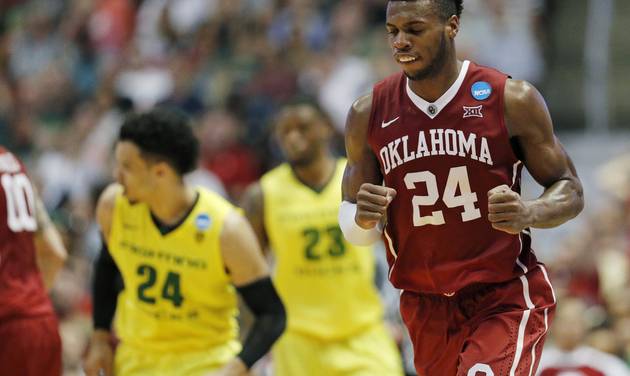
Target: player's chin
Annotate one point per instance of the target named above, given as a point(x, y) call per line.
point(413, 68)
point(299, 161)
point(129, 196)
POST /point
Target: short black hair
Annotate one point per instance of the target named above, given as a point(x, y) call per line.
point(163, 133)
point(446, 8)
point(307, 101)
point(303, 101)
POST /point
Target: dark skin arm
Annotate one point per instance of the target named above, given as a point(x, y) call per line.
point(51, 252)
point(253, 205)
point(529, 122)
point(362, 177)
point(243, 258)
point(101, 355)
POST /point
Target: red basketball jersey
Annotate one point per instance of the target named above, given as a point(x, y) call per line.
point(442, 158)
point(22, 292)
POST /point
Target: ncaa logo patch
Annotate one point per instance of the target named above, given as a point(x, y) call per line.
point(203, 222)
point(481, 90)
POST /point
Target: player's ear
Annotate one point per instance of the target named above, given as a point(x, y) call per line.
point(161, 168)
point(452, 27)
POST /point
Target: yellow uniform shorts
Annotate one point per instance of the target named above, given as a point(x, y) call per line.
point(371, 352)
point(133, 362)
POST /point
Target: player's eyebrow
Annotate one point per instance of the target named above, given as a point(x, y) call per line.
point(408, 24)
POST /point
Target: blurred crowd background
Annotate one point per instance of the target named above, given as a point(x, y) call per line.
point(71, 69)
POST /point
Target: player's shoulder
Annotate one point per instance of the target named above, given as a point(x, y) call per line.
point(280, 172)
point(359, 116)
point(105, 207)
point(361, 109)
point(362, 105)
point(474, 67)
point(479, 75)
point(520, 92)
point(275, 181)
point(208, 196)
point(212, 203)
point(526, 112)
point(107, 199)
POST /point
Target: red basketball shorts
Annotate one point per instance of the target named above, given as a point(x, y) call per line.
point(30, 347)
point(485, 330)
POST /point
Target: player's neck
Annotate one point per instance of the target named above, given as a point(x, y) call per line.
point(170, 203)
point(318, 173)
point(432, 88)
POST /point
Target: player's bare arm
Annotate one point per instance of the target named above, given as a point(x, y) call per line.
point(249, 273)
point(105, 208)
point(241, 252)
point(100, 356)
point(529, 122)
point(51, 252)
point(362, 180)
point(253, 205)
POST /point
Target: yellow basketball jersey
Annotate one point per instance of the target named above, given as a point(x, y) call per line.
point(177, 295)
point(326, 283)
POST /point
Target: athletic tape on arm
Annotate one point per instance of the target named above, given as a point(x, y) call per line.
point(351, 231)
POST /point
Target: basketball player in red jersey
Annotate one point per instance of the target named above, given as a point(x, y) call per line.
point(31, 254)
point(434, 160)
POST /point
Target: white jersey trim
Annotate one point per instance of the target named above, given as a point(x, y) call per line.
point(433, 109)
point(525, 319)
point(521, 328)
point(531, 367)
point(553, 293)
point(392, 251)
point(515, 173)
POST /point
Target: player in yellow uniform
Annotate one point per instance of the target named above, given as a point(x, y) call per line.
point(180, 252)
point(335, 318)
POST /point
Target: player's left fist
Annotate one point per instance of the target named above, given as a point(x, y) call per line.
point(507, 212)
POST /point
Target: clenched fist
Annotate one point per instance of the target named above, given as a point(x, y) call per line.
point(372, 203)
point(507, 212)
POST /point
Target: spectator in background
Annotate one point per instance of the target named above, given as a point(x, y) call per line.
point(223, 154)
point(503, 33)
point(569, 355)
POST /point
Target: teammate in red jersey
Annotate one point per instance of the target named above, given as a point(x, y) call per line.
point(434, 157)
point(31, 254)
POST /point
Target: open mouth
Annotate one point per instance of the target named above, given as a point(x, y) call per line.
point(406, 59)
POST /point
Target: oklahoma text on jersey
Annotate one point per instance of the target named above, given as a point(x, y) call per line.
point(441, 142)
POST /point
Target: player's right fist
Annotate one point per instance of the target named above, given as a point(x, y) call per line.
point(372, 203)
point(100, 357)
